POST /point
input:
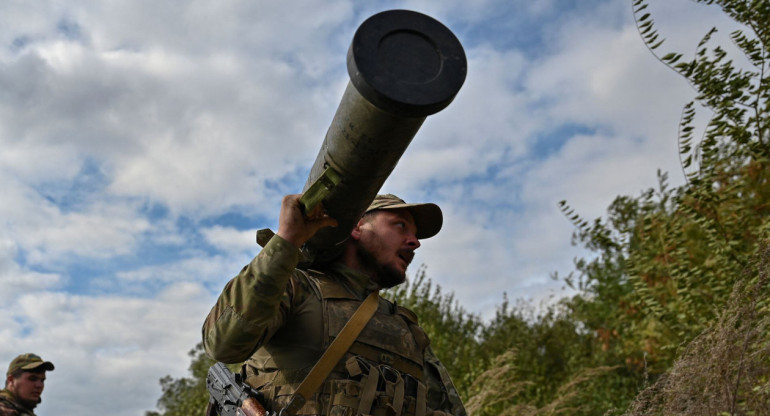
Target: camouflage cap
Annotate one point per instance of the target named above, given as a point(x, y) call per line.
point(30, 362)
point(427, 216)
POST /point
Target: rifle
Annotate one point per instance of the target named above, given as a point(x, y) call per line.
point(230, 396)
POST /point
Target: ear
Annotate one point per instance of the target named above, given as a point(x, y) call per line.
point(8, 380)
point(355, 234)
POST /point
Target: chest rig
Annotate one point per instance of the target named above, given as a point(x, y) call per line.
point(380, 375)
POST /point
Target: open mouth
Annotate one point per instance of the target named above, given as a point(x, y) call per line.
point(406, 256)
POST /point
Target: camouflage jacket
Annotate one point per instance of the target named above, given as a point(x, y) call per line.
point(9, 406)
point(270, 316)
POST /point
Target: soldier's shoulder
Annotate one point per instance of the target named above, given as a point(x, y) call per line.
point(408, 314)
point(7, 408)
point(305, 282)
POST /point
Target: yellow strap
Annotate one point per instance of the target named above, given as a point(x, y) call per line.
point(398, 397)
point(368, 391)
point(334, 353)
point(421, 405)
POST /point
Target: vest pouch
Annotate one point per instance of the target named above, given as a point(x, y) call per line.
point(391, 402)
point(353, 397)
point(370, 390)
point(379, 390)
point(344, 397)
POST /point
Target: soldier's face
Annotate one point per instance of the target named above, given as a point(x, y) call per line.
point(28, 387)
point(387, 240)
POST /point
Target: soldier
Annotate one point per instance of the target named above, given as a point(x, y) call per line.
point(280, 319)
point(24, 384)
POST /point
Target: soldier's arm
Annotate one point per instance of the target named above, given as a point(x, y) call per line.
point(254, 304)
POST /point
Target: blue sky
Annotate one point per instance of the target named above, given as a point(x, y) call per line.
point(144, 143)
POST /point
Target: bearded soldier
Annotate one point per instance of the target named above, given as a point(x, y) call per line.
point(280, 319)
point(24, 382)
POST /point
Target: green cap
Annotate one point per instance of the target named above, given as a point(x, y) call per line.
point(427, 216)
point(30, 362)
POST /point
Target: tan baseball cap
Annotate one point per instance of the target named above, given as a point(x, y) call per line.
point(427, 216)
point(30, 362)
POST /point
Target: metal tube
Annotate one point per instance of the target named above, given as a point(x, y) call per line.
point(403, 66)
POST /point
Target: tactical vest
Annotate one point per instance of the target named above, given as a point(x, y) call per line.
point(381, 375)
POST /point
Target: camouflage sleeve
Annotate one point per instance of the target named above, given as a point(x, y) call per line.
point(6, 410)
point(6, 407)
point(442, 394)
point(253, 305)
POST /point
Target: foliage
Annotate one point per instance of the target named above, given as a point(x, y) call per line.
point(724, 370)
point(549, 349)
point(543, 365)
point(667, 261)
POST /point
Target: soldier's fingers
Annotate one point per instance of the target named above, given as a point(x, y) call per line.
point(317, 211)
point(290, 203)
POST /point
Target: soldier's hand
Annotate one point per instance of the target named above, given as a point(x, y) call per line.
point(297, 228)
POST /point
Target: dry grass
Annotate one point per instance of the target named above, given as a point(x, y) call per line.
point(568, 393)
point(498, 388)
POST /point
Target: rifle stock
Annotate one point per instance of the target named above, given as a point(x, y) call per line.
point(251, 407)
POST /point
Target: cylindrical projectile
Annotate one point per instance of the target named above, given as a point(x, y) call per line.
point(403, 67)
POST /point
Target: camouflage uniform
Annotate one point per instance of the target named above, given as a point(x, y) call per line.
point(280, 320)
point(9, 406)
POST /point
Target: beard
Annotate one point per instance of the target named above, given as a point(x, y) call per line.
point(30, 404)
point(387, 275)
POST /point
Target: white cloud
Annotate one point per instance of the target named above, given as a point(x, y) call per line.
point(605, 77)
point(205, 270)
point(15, 280)
point(231, 240)
point(49, 236)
